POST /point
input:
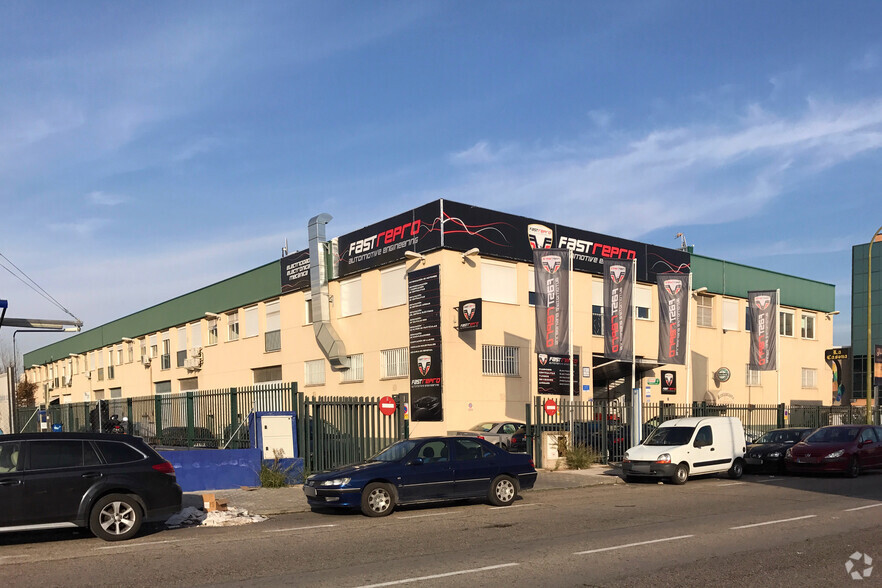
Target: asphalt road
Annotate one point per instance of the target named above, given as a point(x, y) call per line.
point(760, 531)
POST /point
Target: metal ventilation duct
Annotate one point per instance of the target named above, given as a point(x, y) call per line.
point(325, 335)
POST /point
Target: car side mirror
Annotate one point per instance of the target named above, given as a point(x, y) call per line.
point(699, 444)
point(866, 442)
point(417, 461)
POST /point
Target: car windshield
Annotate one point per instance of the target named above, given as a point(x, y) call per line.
point(834, 435)
point(670, 436)
point(781, 436)
point(396, 451)
point(483, 427)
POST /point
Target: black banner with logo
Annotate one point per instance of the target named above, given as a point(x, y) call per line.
point(668, 382)
point(839, 361)
point(763, 309)
point(552, 274)
point(618, 290)
point(295, 272)
point(673, 300)
point(470, 314)
point(424, 316)
point(553, 374)
point(877, 369)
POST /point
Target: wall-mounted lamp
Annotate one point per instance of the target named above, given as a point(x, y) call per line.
point(212, 315)
point(472, 251)
point(833, 313)
point(74, 354)
point(700, 290)
point(415, 255)
point(127, 339)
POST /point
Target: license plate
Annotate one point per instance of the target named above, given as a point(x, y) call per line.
point(309, 491)
point(753, 461)
point(804, 460)
point(643, 469)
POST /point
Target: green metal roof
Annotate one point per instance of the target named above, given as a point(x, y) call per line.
point(252, 286)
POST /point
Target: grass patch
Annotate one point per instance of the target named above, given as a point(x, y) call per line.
point(272, 474)
point(581, 457)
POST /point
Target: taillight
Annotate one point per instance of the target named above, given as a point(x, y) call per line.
point(480, 436)
point(165, 468)
point(532, 465)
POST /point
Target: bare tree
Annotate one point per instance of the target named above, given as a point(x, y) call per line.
point(25, 394)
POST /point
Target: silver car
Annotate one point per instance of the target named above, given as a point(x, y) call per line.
point(497, 433)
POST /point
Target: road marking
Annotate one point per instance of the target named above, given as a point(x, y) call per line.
point(436, 576)
point(434, 514)
point(732, 484)
point(511, 506)
point(774, 522)
point(863, 507)
point(138, 544)
point(771, 480)
point(633, 544)
point(2, 557)
point(298, 528)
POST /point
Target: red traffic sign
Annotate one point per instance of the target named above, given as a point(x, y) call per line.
point(550, 407)
point(387, 405)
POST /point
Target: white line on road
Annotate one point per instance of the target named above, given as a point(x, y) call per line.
point(2, 557)
point(774, 522)
point(298, 528)
point(434, 514)
point(771, 480)
point(436, 576)
point(732, 484)
point(863, 507)
point(633, 544)
point(512, 506)
point(138, 544)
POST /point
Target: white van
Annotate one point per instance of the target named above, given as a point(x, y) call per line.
point(687, 447)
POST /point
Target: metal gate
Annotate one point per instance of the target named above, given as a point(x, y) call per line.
point(601, 426)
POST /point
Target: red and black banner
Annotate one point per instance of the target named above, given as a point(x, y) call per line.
point(673, 302)
point(763, 311)
point(668, 382)
point(424, 317)
point(553, 374)
point(618, 291)
point(552, 272)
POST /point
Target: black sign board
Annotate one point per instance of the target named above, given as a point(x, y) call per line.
point(668, 382)
point(424, 316)
point(553, 374)
point(470, 315)
point(295, 271)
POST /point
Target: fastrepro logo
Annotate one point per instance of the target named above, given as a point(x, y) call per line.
point(762, 302)
point(543, 359)
point(424, 363)
point(855, 561)
point(617, 273)
point(673, 286)
point(540, 236)
point(468, 311)
point(551, 263)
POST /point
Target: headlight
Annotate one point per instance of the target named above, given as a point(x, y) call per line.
point(664, 458)
point(835, 454)
point(336, 482)
point(626, 458)
point(789, 454)
point(775, 454)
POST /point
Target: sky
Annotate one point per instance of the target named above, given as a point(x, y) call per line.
point(148, 149)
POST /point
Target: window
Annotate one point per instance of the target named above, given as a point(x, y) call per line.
point(273, 335)
point(747, 318)
point(531, 286)
point(115, 452)
point(196, 334)
point(500, 360)
point(162, 387)
point(395, 363)
point(182, 346)
point(753, 377)
point(808, 326)
point(267, 374)
point(350, 297)
point(116, 392)
point(314, 372)
point(704, 437)
point(166, 353)
point(468, 450)
point(355, 373)
point(154, 350)
point(187, 384)
point(434, 451)
point(705, 310)
point(251, 326)
point(809, 378)
point(393, 287)
point(143, 348)
point(597, 308)
point(643, 301)
point(119, 355)
point(730, 314)
point(786, 320)
point(233, 326)
point(307, 311)
point(499, 282)
point(212, 331)
point(131, 352)
point(49, 455)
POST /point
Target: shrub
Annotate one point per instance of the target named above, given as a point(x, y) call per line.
point(580, 457)
point(274, 475)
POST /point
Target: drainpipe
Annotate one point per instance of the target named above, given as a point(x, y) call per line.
point(325, 335)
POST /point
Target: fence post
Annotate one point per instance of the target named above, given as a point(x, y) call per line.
point(781, 416)
point(131, 414)
point(191, 419)
point(605, 450)
point(234, 418)
point(157, 403)
point(537, 408)
point(528, 421)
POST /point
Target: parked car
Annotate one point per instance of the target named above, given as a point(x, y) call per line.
point(847, 449)
point(690, 446)
point(178, 437)
point(519, 441)
point(767, 452)
point(108, 483)
point(424, 470)
point(498, 433)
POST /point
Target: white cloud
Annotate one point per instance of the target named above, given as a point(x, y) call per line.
point(478, 153)
point(81, 228)
point(104, 199)
point(867, 62)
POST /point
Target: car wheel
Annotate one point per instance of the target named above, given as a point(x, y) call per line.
point(377, 500)
point(503, 491)
point(737, 469)
point(116, 517)
point(854, 468)
point(681, 474)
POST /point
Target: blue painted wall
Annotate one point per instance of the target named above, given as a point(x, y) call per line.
point(207, 469)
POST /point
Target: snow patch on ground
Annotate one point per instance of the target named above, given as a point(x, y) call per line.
point(192, 517)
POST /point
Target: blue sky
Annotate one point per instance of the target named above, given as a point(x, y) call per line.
point(149, 149)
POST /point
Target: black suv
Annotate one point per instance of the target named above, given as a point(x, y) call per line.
point(108, 483)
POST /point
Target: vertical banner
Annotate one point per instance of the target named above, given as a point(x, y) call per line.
point(763, 307)
point(552, 271)
point(618, 290)
point(839, 361)
point(424, 317)
point(673, 301)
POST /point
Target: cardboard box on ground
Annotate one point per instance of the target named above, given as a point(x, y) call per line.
point(210, 503)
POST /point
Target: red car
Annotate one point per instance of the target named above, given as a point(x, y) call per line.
point(847, 449)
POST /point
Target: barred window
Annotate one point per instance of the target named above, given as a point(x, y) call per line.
point(267, 374)
point(355, 373)
point(809, 378)
point(394, 363)
point(500, 360)
point(314, 372)
point(596, 320)
point(753, 377)
point(705, 309)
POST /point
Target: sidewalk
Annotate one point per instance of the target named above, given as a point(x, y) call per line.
point(276, 501)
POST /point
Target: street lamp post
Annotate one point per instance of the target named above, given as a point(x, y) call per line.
point(870, 323)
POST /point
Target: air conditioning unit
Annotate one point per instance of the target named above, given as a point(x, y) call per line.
point(196, 352)
point(88, 375)
point(193, 363)
point(145, 361)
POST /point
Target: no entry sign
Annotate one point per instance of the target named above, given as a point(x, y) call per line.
point(550, 407)
point(387, 405)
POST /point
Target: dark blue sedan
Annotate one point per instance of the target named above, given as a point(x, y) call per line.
point(424, 470)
